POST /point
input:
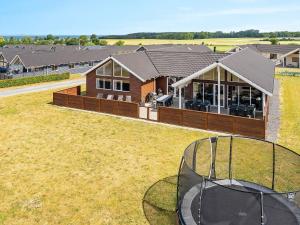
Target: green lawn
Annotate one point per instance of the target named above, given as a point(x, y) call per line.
point(61, 166)
point(290, 112)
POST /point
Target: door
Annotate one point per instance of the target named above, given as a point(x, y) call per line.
point(222, 95)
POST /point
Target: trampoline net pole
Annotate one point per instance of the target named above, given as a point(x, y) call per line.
point(262, 208)
point(230, 160)
point(213, 145)
point(203, 185)
point(273, 175)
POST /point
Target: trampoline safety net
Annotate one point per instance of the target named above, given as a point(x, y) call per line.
point(233, 180)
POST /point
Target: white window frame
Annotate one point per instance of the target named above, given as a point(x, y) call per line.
point(103, 79)
point(104, 70)
point(114, 85)
point(121, 71)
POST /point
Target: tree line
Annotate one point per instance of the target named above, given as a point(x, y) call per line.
point(50, 39)
point(206, 35)
point(100, 40)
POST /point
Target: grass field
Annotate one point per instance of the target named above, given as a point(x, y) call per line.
point(223, 44)
point(290, 112)
point(61, 166)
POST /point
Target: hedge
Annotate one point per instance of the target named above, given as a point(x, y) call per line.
point(33, 80)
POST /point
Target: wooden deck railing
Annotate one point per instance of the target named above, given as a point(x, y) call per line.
point(70, 98)
point(211, 121)
point(189, 118)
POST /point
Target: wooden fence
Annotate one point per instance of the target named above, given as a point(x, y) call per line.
point(211, 121)
point(189, 118)
point(70, 98)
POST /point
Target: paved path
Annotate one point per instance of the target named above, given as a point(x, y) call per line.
point(42, 87)
point(274, 114)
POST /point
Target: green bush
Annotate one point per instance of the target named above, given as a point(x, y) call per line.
point(33, 80)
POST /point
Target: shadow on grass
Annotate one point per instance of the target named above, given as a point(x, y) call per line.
point(159, 202)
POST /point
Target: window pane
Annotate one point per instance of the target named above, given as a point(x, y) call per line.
point(118, 86)
point(108, 68)
point(126, 86)
point(101, 85)
point(125, 73)
point(107, 84)
point(100, 71)
point(117, 70)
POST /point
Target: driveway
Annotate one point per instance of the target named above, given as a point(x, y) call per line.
point(42, 87)
point(273, 125)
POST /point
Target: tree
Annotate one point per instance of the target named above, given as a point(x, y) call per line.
point(274, 41)
point(72, 41)
point(83, 39)
point(50, 37)
point(120, 43)
point(2, 41)
point(27, 40)
point(102, 42)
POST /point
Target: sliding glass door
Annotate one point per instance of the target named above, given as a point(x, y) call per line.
point(222, 95)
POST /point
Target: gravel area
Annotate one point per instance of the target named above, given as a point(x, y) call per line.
point(274, 114)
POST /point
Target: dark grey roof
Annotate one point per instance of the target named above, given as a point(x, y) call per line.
point(40, 55)
point(182, 64)
point(252, 66)
point(177, 48)
point(276, 49)
point(139, 63)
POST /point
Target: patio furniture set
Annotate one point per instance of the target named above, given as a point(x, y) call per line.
point(198, 105)
point(114, 97)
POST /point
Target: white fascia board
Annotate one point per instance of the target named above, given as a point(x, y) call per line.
point(116, 61)
point(97, 65)
point(126, 68)
point(291, 52)
point(245, 79)
point(186, 80)
point(17, 56)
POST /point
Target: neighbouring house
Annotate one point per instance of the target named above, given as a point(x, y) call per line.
point(219, 80)
point(27, 60)
point(282, 55)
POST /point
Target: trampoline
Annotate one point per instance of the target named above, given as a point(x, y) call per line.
point(231, 180)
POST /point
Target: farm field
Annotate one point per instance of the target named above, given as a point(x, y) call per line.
point(223, 44)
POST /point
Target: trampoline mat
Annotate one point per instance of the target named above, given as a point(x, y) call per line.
point(241, 206)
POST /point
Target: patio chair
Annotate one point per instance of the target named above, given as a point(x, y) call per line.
point(169, 101)
point(189, 104)
point(110, 97)
point(99, 95)
point(242, 110)
point(128, 98)
point(120, 97)
point(251, 111)
point(197, 105)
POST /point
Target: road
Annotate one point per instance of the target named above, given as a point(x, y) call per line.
point(42, 87)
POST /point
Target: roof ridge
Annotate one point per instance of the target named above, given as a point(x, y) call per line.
point(190, 52)
point(151, 61)
point(232, 54)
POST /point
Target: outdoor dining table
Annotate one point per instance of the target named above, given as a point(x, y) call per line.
point(163, 99)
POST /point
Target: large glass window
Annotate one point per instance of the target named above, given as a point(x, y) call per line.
point(103, 84)
point(120, 72)
point(209, 93)
point(105, 70)
point(121, 85)
point(244, 95)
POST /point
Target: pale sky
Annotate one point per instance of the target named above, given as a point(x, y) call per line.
point(67, 17)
